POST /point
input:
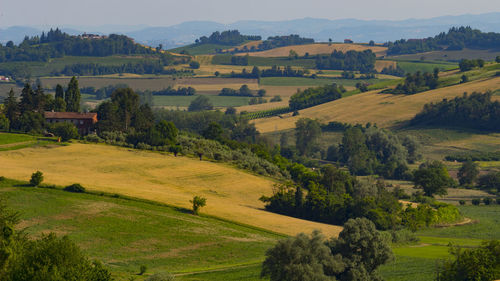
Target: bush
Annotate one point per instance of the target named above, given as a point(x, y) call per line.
point(198, 202)
point(142, 269)
point(36, 178)
point(476, 202)
point(93, 138)
point(76, 187)
point(65, 131)
point(194, 65)
point(487, 201)
point(462, 202)
point(2, 178)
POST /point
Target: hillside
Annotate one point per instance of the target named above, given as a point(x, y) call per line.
point(314, 49)
point(383, 109)
point(231, 193)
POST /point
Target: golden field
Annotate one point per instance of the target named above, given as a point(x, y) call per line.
point(384, 109)
point(315, 49)
point(231, 193)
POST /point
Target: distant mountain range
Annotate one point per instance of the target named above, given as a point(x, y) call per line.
point(319, 29)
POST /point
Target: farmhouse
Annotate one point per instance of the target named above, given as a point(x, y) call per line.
point(348, 41)
point(84, 122)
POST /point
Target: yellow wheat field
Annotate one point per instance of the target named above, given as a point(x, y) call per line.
point(231, 193)
point(383, 109)
point(314, 49)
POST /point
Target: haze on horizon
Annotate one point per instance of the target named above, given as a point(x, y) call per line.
point(168, 12)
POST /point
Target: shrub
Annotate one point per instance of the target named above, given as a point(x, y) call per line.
point(194, 65)
point(2, 178)
point(498, 201)
point(198, 202)
point(476, 202)
point(36, 178)
point(142, 269)
point(487, 201)
point(65, 131)
point(76, 187)
point(462, 202)
point(93, 138)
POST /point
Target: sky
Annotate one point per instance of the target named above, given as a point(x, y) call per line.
point(167, 12)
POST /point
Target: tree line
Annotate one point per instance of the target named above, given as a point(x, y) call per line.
point(476, 111)
point(351, 60)
point(457, 38)
point(56, 44)
point(416, 83)
point(228, 37)
point(314, 96)
point(274, 71)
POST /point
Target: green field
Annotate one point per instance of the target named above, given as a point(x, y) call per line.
point(184, 101)
point(425, 66)
point(302, 81)
point(125, 234)
point(488, 55)
point(203, 49)
point(262, 61)
point(10, 141)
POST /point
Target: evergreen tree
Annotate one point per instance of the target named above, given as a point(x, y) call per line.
point(59, 92)
point(72, 97)
point(27, 99)
point(11, 109)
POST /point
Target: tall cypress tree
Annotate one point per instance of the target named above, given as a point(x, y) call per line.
point(72, 97)
point(27, 99)
point(59, 91)
point(11, 109)
point(59, 103)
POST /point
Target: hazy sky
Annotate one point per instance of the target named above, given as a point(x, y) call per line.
point(167, 12)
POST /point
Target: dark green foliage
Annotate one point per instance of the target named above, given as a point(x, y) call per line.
point(194, 65)
point(198, 202)
point(466, 65)
point(36, 178)
point(274, 71)
point(476, 202)
point(464, 79)
point(371, 150)
point(354, 255)
point(481, 264)
point(72, 96)
point(4, 123)
point(468, 173)
point(281, 41)
point(228, 37)
point(142, 67)
point(239, 60)
point(415, 83)
point(314, 96)
point(244, 91)
point(487, 201)
point(64, 130)
point(497, 59)
point(307, 132)
point(276, 99)
point(475, 156)
point(201, 103)
point(76, 188)
point(398, 71)
point(31, 122)
point(142, 269)
point(56, 44)
point(433, 178)
point(490, 181)
point(455, 39)
point(351, 60)
point(476, 111)
point(462, 202)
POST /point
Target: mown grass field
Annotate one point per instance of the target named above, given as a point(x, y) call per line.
point(231, 193)
point(10, 141)
point(425, 66)
point(314, 49)
point(184, 101)
point(203, 49)
point(383, 109)
point(126, 234)
point(302, 81)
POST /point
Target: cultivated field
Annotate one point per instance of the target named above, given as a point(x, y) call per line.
point(231, 193)
point(381, 64)
point(314, 49)
point(384, 109)
point(488, 55)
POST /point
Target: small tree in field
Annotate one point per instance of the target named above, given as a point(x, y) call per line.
point(198, 202)
point(36, 178)
point(65, 131)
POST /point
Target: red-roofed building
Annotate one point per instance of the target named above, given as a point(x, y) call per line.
point(84, 122)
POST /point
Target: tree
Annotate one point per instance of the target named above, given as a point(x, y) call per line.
point(127, 105)
point(433, 177)
point(198, 202)
point(213, 131)
point(329, 41)
point(497, 59)
point(479, 264)
point(355, 255)
point(201, 103)
point(64, 130)
point(36, 178)
point(27, 102)
point(167, 130)
point(72, 97)
point(371, 43)
point(245, 91)
point(11, 109)
point(59, 92)
point(261, 93)
point(307, 131)
point(4, 123)
point(468, 173)
point(194, 64)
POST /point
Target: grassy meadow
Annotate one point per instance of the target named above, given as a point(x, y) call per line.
point(315, 49)
point(231, 193)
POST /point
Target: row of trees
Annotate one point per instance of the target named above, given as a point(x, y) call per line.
point(466, 65)
point(351, 60)
point(244, 91)
point(416, 83)
point(143, 67)
point(454, 39)
point(475, 111)
point(228, 37)
point(274, 71)
point(314, 96)
point(58, 44)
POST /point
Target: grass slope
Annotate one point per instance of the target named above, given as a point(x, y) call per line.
point(384, 109)
point(125, 234)
point(314, 49)
point(231, 193)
